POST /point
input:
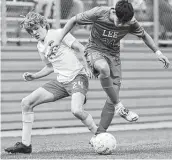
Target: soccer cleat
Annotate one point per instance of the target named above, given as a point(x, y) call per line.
point(19, 147)
point(126, 114)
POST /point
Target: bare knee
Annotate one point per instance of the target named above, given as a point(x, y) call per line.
point(77, 105)
point(26, 105)
point(103, 68)
point(78, 113)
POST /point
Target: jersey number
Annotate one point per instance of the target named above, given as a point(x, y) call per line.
point(78, 83)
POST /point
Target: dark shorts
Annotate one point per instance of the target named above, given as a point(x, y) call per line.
point(60, 90)
point(114, 64)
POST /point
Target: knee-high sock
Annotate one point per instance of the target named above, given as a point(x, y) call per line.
point(106, 117)
point(28, 119)
point(89, 122)
point(107, 85)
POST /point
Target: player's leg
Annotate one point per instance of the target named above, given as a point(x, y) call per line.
point(101, 67)
point(79, 89)
point(109, 108)
point(108, 112)
point(79, 112)
point(116, 76)
point(44, 94)
point(28, 103)
point(37, 97)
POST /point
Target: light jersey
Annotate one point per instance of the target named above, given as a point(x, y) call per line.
point(105, 35)
point(64, 61)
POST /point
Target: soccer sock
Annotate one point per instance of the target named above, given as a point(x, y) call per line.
point(107, 85)
point(118, 106)
point(28, 119)
point(106, 117)
point(89, 122)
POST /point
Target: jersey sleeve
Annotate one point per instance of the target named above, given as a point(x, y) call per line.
point(136, 29)
point(88, 17)
point(68, 40)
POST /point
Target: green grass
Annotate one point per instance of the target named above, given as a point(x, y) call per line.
point(139, 144)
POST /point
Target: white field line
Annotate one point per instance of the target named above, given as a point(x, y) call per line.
point(74, 130)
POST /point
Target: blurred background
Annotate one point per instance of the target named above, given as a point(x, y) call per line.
point(146, 86)
point(154, 15)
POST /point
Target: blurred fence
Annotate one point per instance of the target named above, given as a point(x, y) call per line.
point(58, 11)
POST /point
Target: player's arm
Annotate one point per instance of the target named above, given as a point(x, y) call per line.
point(138, 30)
point(87, 17)
point(151, 44)
point(48, 69)
point(79, 48)
point(73, 43)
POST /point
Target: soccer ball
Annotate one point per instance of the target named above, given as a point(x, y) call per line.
point(104, 143)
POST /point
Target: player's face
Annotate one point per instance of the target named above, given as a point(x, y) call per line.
point(39, 32)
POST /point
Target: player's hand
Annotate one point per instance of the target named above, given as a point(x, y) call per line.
point(28, 76)
point(51, 49)
point(163, 59)
point(48, 48)
point(89, 72)
point(54, 47)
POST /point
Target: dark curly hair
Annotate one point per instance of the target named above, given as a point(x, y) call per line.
point(124, 10)
point(32, 20)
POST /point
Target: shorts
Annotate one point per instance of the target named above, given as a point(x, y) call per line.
point(60, 90)
point(114, 64)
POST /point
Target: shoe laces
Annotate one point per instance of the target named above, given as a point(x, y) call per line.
point(123, 111)
point(18, 143)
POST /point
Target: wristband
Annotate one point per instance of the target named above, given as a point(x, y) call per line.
point(158, 53)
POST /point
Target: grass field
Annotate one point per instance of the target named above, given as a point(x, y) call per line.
point(135, 144)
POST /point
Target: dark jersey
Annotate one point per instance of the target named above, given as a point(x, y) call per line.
point(105, 35)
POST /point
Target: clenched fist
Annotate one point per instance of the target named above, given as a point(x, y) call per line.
point(28, 76)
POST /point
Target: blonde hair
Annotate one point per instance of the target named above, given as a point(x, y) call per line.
point(32, 20)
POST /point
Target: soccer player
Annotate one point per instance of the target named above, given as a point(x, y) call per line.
point(72, 79)
point(109, 26)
